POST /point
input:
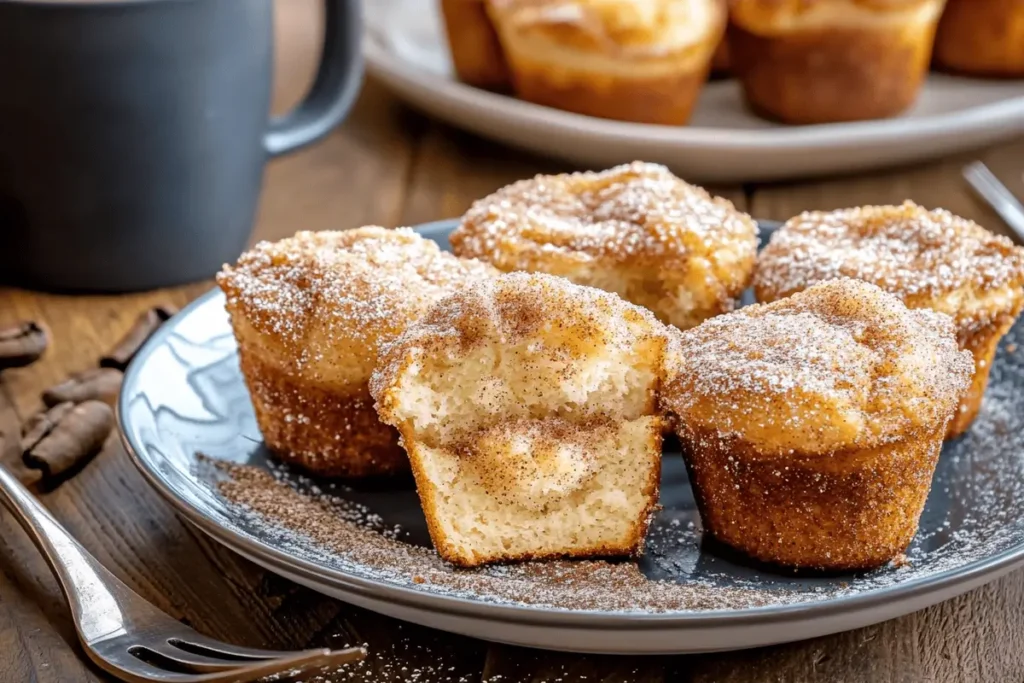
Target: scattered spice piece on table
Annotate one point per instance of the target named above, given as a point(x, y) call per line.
point(101, 384)
point(10, 457)
point(126, 348)
point(22, 344)
point(65, 439)
point(41, 424)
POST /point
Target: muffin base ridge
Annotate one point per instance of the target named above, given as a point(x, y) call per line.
point(323, 432)
point(831, 75)
point(851, 510)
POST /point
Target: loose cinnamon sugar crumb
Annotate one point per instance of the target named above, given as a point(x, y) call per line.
point(361, 545)
point(901, 561)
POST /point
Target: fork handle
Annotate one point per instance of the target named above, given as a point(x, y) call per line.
point(84, 581)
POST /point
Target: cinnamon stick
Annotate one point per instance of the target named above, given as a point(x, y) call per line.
point(22, 344)
point(147, 323)
point(97, 384)
point(65, 439)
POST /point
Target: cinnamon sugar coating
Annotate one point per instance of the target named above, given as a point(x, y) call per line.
point(812, 425)
point(907, 250)
point(840, 365)
point(309, 313)
point(930, 259)
point(636, 230)
point(528, 408)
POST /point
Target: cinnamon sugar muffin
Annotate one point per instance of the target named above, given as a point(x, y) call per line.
point(636, 230)
point(982, 38)
point(812, 425)
point(930, 259)
point(821, 61)
point(528, 408)
point(632, 60)
point(309, 313)
point(476, 52)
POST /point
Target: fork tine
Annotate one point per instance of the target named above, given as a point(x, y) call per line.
point(295, 665)
point(130, 668)
point(206, 646)
point(159, 654)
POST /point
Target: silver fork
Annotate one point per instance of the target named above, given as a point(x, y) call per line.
point(130, 638)
point(998, 196)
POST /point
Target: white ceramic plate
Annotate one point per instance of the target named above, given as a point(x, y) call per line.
point(184, 395)
point(406, 49)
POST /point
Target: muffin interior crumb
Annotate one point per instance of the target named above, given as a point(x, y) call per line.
point(528, 408)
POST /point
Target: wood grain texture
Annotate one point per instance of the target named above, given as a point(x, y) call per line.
point(387, 165)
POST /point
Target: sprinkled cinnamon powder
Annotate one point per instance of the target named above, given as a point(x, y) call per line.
point(357, 539)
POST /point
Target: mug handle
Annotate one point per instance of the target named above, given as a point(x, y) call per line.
point(338, 79)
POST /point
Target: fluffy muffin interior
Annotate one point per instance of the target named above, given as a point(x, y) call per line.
point(840, 365)
point(528, 408)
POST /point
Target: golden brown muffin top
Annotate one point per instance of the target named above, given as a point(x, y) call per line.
point(919, 255)
point(771, 16)
point(840, 366)
point(633, 28)
point(632, 214)
point(305, 292)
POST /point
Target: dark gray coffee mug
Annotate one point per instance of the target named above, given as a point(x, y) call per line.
point(133, 134)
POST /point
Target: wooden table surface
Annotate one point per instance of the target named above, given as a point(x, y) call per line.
point(390, 166)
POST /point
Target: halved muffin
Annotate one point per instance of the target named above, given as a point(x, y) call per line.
point(528, 408)
point(812, 425)
point(982, 38)
point(309, 313)
point(930, 259)
point(632, 60)
point(473, 42)
point(822, 61)
point(636, 230)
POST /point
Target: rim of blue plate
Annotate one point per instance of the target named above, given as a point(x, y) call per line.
point(241, 541)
